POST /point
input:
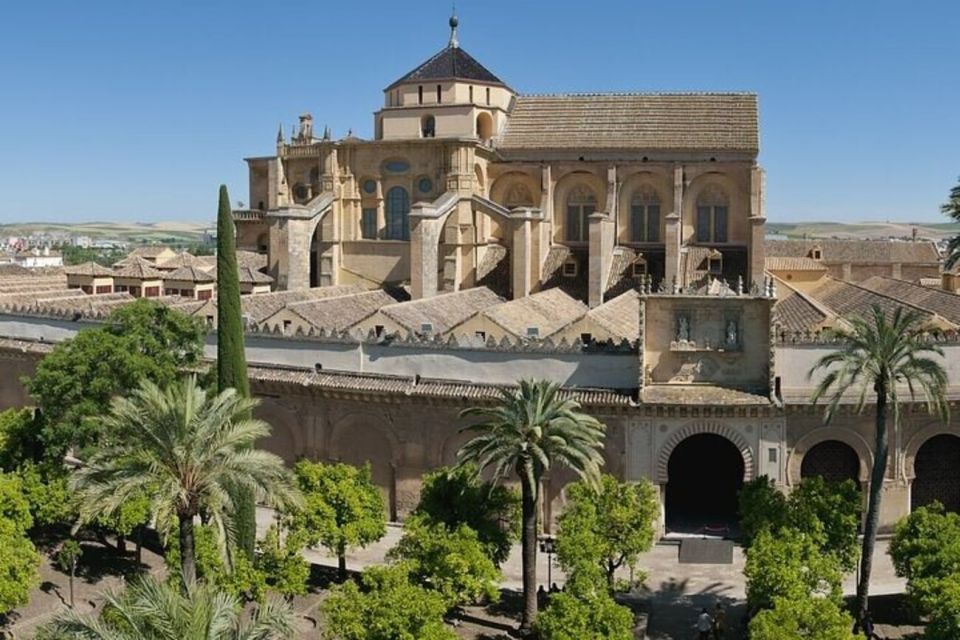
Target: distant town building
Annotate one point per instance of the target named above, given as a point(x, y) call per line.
point(37, 258)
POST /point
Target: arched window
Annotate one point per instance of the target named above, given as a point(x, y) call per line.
point(712, 208)
point(645, 216)
point(398, 214)
point(428, 127)
point(484, 126)
point(581, 203)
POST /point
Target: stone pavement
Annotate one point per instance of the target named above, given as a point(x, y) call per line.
point(673, 594)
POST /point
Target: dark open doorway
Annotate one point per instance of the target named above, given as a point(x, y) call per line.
point(832, 460)
point(936, 467)
point(705, 474)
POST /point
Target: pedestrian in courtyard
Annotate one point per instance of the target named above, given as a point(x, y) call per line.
point(704, 625)
point(867, 626)
point(719, 622)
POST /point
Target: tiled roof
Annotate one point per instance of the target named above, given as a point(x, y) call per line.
point(263, 305)
point(856, 251)
point(792, 263)
point(11, 269)
point(418, 387)
point(699, 394)
point(189, 274)
point(443, 311)
point(796, 313)
point(247, 275)
point(493, 271)
point(341, 312)
point(450, 63)
point(620, 316)
point(252, 259)
point(847, 300)
point(651, 121)
point(943, 303)
point(186, 259)
point(552, 272)
point(138, 268)
point(91, 269)
point(547, 311)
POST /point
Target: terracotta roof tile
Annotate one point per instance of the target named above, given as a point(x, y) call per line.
point(645, 121)
point(443, 311)
point(943, 303)
point(856, 251)
point(793, 263)
point(547, 311)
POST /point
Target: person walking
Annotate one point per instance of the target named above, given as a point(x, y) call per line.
point(867, 626)
point(719, 622)
point(704, 624)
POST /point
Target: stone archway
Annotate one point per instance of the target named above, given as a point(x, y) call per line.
point(842, 435)
point(832, 460)
point(705, 473)
point(935, 473)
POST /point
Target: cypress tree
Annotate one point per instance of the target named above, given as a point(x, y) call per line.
point(231, 359)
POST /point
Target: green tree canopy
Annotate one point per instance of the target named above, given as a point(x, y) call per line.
point(951, 208)
point(15, 514)
point(186, 451)
point(76, 382)
point(458, 496)
point(585, 611)
point(607, 526)
point(452, 563)
point(789, 564)
point(385, 606)
point(809, 618)
point(19, 567)
point(530, 430)
point(158, 610)
point(342, 508)
point(877, 357)
point(829, 511)
point(19, 441)
point(280, 560)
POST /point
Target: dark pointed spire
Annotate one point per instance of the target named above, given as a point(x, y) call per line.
point(280, 133)
point(454, 21)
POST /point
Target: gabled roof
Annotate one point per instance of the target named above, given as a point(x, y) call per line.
point(797, 313)
point(847, 300)
point(443, 311)
point(942, 302)
point(547, 311)
point(339, 313)
point(90, 269)
point(620, 316)
point(856, 251)
point(138, 268)
point(450, 63)
point(639, 121)
point(189, 274)
point(790, 263)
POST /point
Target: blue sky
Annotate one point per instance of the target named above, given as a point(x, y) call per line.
point(136, 111)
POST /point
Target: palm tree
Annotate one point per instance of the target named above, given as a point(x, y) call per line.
point(951, 208)
point(531, 429)
point(187, 452)
point(153, 609)
point(882, 354)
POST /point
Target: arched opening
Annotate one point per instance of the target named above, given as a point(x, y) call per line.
point(581, 204)
point(398, 214)
point(936, 478)
point(428, 127)
point(484, 126)
point(645, 215)
point(832, 460)
point(712, 215)
point(704, 475)
point(315, 241)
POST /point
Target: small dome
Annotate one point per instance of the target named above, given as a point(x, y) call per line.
point(454, 22)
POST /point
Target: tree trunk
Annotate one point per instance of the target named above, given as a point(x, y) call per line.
point(188, 566)
point(73, 572)
point(121, 543)
point(342, 563)
point(528, 542)
point(872, 523)
point(139, 544)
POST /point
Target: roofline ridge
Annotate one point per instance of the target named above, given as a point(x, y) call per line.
point(589, 94)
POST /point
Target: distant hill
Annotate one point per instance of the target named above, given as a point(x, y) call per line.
point(864, 230)
point(131, 232)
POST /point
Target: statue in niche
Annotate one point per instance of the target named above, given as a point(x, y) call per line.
point(683, 329)
point(732, 333)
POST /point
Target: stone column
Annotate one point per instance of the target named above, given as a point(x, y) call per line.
point(673, 231)
point(600, 258)
point(523, 257)
point(425, 230)
point(757, 222)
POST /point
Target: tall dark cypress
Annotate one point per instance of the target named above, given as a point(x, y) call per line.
point(231, 359)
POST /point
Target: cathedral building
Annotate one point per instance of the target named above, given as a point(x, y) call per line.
point(611, 243)
point(468, 182)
